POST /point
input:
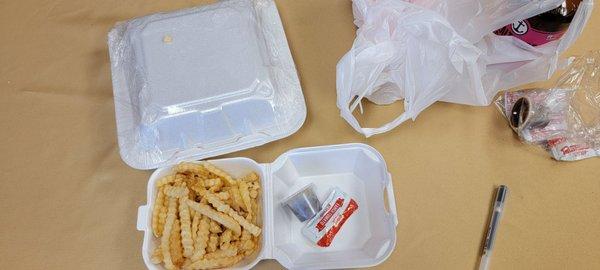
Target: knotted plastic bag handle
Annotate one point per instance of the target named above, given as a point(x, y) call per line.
point(345, 84)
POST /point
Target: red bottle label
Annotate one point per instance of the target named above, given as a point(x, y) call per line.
point(534, 37)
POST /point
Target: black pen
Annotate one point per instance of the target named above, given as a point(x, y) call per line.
point(493, 227)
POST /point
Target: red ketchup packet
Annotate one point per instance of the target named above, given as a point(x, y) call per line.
point(323, 227)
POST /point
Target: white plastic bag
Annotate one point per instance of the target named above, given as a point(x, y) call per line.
point(423, 51)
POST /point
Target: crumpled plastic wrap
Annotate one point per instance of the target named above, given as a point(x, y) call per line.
point(423, 51)
point(565, 120)
point(201, 82)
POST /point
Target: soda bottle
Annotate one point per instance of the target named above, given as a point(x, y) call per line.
point(544, 27)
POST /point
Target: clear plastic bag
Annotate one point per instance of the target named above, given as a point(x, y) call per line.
point(565, 120)
point(422, 51)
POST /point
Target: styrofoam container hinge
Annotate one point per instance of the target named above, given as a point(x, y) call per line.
point(142, 217)
point(268, 212)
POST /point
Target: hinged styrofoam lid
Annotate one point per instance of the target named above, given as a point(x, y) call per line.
point(202, 82)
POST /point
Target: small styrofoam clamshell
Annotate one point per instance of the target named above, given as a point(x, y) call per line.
point(366, 239)
point(202, 82)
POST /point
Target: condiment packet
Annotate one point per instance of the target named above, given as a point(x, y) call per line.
point(336, 210)
point(565, 149)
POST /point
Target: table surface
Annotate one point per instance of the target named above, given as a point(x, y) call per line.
point(67, 201)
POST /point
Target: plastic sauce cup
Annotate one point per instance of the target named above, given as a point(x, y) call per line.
point(303, 203)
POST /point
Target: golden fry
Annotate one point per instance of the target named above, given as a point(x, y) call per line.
point(225, 239)
point(218, 172)
point(176, 192)
point(169, 179)
point(256, 212)
point(198, 189)
point(186, 230)
point(224, 208)
point(166, 237)
point(189, 179)
point(195, 223)
point(221, 218)
point(191, 196)
point(245, 235)
point(254, 185)
point(213, 241)
point(253, 194)
point(162, 215)
point(222, 253)
point(175, 245)
point(235, 237)
point(201, 239)
point(213, 184)
point(248, 252)
point(223, 196)
point(156, 210)
point(156, 257)
point(245, 196)
point(247, 245)
point(215, 227)
point(236, 198)
point(193, 168)
point(192, 213)
point(251, 177)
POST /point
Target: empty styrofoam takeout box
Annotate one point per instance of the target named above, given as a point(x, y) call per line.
point(366, 239)
point(203, 82)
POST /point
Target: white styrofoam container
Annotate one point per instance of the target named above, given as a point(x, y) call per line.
point(366, 239)
point(202, 82)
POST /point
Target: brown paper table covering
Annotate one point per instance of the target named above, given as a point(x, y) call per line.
point(67, 201)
